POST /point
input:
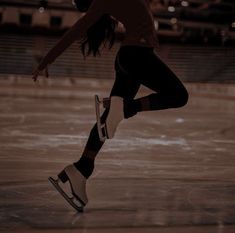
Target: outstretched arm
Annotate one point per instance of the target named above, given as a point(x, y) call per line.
point(68, 38)
point(76, 32)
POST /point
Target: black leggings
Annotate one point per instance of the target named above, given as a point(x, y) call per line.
point(134, 66)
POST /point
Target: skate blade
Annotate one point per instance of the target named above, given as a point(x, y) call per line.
point(102, 131)
point(66, 197)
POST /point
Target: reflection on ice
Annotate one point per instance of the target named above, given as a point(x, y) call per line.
point(133, 143)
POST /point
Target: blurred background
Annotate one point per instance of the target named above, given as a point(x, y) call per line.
point(193, 34)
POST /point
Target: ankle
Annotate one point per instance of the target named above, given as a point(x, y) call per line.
point(85, 165)
point(131, 108)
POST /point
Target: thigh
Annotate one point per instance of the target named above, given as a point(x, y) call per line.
point(125, 85)
point(153, 73)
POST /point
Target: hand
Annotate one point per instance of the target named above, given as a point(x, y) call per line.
point(37, 72)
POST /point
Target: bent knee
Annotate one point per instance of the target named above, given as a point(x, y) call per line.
point(182, 98)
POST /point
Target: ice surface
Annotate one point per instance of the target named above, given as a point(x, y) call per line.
point(166, 171)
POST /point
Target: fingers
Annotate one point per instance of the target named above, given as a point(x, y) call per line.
point(35, 75)
point(34, 78)
point(37, 72)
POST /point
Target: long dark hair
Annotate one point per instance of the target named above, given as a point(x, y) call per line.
point(99, 33)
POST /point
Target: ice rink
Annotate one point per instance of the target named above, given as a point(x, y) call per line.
point(169, 171)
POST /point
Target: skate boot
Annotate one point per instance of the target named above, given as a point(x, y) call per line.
point(77, 185)
point(107, 129)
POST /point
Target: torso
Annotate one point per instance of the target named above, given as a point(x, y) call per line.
point(139, 23)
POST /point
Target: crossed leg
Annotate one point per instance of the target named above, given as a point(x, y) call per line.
point(150, 71)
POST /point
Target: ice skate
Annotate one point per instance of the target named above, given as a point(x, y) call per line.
point(107, 129)
point(77, 184)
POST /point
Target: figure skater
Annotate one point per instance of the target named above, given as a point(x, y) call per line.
point(136, 63)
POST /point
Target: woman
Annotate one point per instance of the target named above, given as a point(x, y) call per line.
point(135, 64)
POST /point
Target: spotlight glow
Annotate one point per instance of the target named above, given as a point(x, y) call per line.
point(73, 3)
point(41, 9)
point(174, 20)
point(184, 3)
point(171, 8)
point(156, 25)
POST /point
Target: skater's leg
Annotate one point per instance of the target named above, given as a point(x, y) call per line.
point(78, 172)
point(156, 75)
point(86, 163)
point(124, 86)
point(170, 92)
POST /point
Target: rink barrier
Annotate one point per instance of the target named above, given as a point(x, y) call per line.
point(18, 85)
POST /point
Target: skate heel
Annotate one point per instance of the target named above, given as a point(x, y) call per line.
point(63, 176)
point(106, 102)
point(107, 129)
point(115, 116)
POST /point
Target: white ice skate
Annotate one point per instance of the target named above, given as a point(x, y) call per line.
point(107, 129)
point(77, 184)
